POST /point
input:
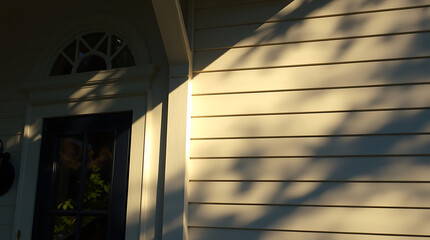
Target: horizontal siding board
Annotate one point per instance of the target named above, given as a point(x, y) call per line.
point(235, 14)
point(312, 169)
point(9, 198)
point(380, 122)
point(313, 100)
point(12, 108)
point(408, 20)
point(235, 234)
point(283, 9)
point(344, 75)
point(312, 146)
point(201, 4)
point(386, 47)
point(6, 215)
point(387, 221)
point(10, 92)
point(313, 193)
point(11, 126)
point(6, 231)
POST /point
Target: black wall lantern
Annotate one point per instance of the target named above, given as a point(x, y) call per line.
point(6, 171)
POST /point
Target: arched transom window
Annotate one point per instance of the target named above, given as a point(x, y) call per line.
point(93, 52)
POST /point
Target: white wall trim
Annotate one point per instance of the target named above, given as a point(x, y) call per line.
point(47, 99)
point(91, 85)
point(175, 224)
point(176, 43)
point(173, 31)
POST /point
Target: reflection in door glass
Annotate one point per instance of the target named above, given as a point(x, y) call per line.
point(83, 177)
point(99, 171)
point(94, 228)
point(68, 172)
point(64, 227)
point(83, 185)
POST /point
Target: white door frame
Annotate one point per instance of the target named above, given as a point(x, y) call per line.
point(126, 89)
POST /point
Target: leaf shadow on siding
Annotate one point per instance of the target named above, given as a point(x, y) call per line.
point(227, 47)
point(365, 175)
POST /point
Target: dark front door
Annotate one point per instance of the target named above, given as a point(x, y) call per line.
point(83, 177)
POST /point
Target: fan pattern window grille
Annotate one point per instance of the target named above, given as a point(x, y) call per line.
point(93, 52)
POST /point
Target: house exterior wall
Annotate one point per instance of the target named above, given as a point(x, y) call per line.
point(12, 119)
point(310, 120)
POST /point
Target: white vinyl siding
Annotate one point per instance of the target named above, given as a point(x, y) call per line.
point(234, 234)
point(6, 230)
point(287, 169)
point(315, 53)
point(312, 124)
point(381, 23)
point(312, 77)
point(12, 105)
point(251, 11)
point(310, 120)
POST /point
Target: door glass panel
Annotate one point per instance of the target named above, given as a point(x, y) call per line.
point(94, 227)
point(67, 172)
point(64, 227)
point(99, 171)
point(83, 176)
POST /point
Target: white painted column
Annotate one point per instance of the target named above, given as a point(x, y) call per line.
point(176, 43)
point(175, 225)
